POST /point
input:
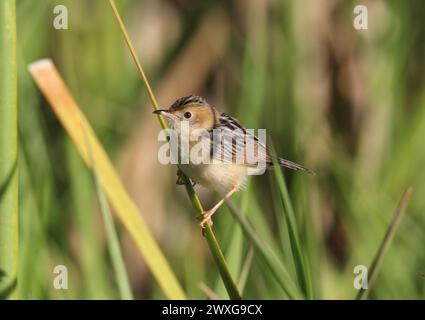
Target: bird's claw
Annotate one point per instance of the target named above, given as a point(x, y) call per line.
point(206, 219)
point(181, 177)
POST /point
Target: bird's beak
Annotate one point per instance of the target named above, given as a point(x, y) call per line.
point(161, 112)
point(165, 113)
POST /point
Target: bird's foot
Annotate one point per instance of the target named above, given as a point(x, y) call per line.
point(206, 219)
point(181, 177)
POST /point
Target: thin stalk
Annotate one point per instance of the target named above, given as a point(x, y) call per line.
point(8, 151)
point(246, 268)
point(213, 244)
point(209, 292)
point(301, 266)
point(111, 233)
point(377, 261)
point(215, 249)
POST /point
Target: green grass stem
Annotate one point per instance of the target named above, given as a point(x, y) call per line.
point(213, 244)
point(392, 228)
point(121, 276)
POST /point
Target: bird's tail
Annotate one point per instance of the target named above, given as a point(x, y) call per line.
point(294, 166)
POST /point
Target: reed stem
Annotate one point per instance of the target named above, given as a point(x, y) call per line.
point(115, 253)
point(213, 244)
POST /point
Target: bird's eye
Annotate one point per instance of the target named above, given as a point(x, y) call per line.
point(187, 115)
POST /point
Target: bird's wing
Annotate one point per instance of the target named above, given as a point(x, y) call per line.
point(232, 142)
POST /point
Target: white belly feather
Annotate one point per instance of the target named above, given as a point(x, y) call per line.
point(219, 177)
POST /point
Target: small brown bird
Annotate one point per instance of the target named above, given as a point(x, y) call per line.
point(218, 174)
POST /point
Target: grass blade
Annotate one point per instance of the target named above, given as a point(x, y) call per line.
point(246, 268)
point(71, 117)
point(113, 242)
point(377, 261)
point(266, 253)
point(209, 292)
point(213, 244)
point(301, 268)
point(94, 265)
point(8, 151)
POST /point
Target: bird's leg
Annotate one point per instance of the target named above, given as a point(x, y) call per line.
point(208, 214)
point(180, 178)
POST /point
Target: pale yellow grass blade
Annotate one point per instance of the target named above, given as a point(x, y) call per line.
point(69, 114)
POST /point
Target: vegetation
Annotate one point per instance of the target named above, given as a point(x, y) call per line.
point(348, 103)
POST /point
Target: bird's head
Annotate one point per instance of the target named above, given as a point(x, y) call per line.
point(193, 109)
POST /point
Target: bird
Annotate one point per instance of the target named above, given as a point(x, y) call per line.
point(225, 177)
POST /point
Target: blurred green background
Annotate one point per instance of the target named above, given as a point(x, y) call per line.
point(348, 103)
